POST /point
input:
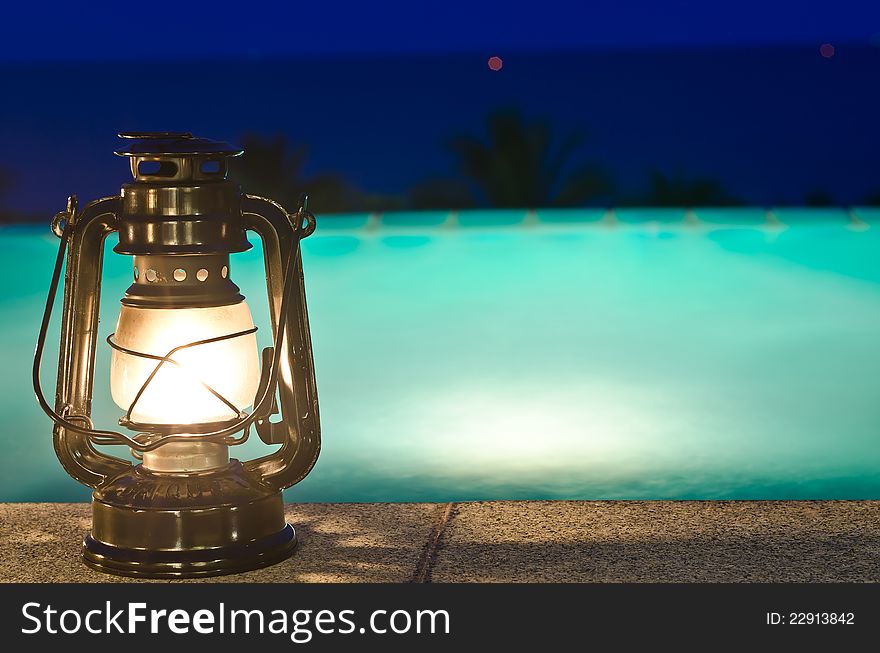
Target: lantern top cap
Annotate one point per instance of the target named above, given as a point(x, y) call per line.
point(173, 144)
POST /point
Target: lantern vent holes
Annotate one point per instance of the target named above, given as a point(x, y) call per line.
point(190, 274)
point(157, 168)
point(211, 167)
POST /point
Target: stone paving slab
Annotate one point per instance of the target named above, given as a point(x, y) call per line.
point(661, 541)
point(346, 542)
point(516, 541)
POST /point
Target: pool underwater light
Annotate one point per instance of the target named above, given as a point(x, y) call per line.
point(184, 367)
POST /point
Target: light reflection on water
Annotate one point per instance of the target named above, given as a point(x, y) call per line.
point(650, 360)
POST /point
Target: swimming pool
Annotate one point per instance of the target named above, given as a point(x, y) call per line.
point(558, 354)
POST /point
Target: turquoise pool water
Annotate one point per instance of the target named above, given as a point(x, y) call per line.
point(559, 355)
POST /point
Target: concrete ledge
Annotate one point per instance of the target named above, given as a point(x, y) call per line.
point(516, 541)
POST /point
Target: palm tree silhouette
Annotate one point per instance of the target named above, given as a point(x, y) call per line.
point(270, 167)
point(519, 166)
point(680, 192)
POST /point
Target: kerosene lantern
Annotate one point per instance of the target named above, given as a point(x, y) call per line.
point(184, 367)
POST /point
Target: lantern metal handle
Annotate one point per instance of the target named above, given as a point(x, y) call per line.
point(299, 431)
point(85, 232)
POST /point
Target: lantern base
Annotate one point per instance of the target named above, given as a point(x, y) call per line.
point(162, 525)
point(189, 564)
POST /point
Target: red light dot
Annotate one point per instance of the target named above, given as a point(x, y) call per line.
point(826, 50)
point(495, 63)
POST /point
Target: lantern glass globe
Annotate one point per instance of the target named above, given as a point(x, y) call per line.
point(176, 394)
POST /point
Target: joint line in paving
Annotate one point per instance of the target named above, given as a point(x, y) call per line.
point(425, 564)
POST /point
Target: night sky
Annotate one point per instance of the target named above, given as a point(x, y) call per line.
point(173, 30)
point(776, 100)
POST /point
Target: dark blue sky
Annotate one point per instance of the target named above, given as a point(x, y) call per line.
point(100, 30)
point(732, 91)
